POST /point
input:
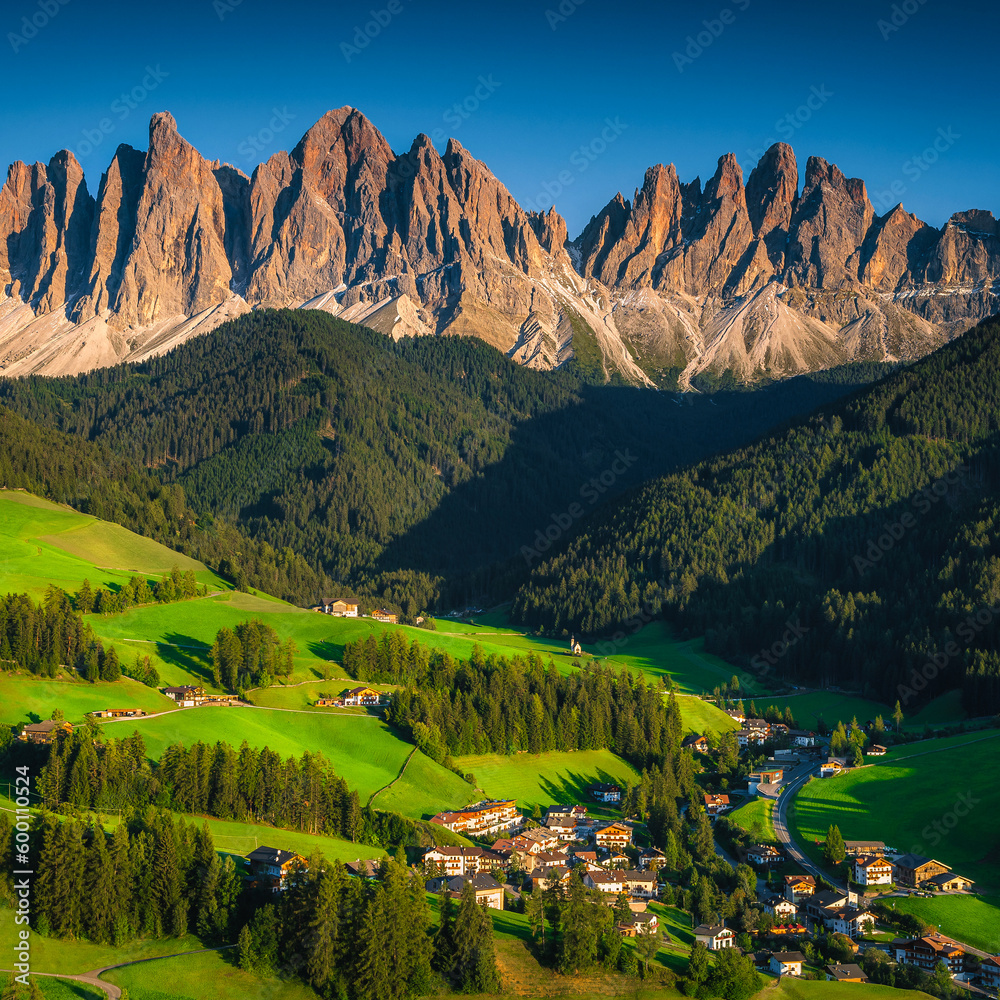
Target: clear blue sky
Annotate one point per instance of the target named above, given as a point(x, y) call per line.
point(244, 78)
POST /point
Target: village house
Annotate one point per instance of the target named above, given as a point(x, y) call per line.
point(802, 737)
point(638, 923)
point(845, 974)
point(798, 887)
point(589, 859)
point(873, 848)
point(614, 859)
point(487, 889)
point(360, 696)
point(453, 861)
point(926, 952)
point(641, 884)
point(604, 792)
point(550, 877)
point(613, 835)
point(548, 858)
point(847, 920)
point(329, 702)
point(482, 818)
point(792, 929)
point(695, 742)
point(363, 868)
point(872, 870)
point(912, 869)
point(715, 937)
point(538, 839)
point(787, 963)
point(606, 881)
point(218, 700)
point(748, 737)
point(715, 804)
point(271, 866)
point(571, 814)
point(948, 882)
point(737, 715)
point(652, 859)
point(187, 696)
point(338, 607)
point(44, 732)
point(389, 618)
point(781, 908)
point(989, 974)
point(875, 750)
point(820, 901)
point(120, 713)
point(830, 769)
point(764, 854)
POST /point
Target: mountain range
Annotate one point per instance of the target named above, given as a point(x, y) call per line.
point(759, 279)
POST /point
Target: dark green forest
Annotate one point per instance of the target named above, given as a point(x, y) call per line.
point(296, 453)
point(860, 547)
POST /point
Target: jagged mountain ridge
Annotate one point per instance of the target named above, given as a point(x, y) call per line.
point(759, 278)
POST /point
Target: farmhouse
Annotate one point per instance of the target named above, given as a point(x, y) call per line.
point(715, 804)
point(874, 848)
point(926, 952)
point(613, 835)
point(949, 882)
point(120, 713)
point(638, 923)
point(272, 866)
point(715, 937)
point(746, 737)
point(388, 617)
point(453, 860)
point(798, 887)
point(367, 869)
point(847, 920)
point(764, 854)
point(571, 814)
point(187, 695)
point(329, 702)
point(549, 878)
point(830, 769)
point(613, 881)
point(845, 974)
point(482, 818)
point(695, 742)
point(912, 869)
point(604, 792)
point(642, 884)
point(338, 607)
point(787, 963)
point(820, 901)
point(782, 908)
point(360, 696)
point(652, 858)
point(488, 890)
point(44, 732)
point(875, 750)
point(872, 870)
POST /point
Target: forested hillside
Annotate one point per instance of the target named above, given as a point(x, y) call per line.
point(415, 471)
point(859, 547)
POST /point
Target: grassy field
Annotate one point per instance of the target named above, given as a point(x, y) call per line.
point(973, 919)
point(66, 989)
point(212, 975)
point(43, 543)
point(700, 716)
point(23, 696)
point(423, 789)
point(790, 988)
point(303, 696)
point(362, 749)
point(547, 778)
point(755, 817)
point(899, 799)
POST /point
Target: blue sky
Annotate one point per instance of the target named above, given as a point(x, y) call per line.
point(567, 102)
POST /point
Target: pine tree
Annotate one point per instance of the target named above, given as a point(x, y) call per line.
point(834, 851)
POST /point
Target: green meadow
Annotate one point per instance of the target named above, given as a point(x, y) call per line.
point(700, 716)
point(42, 543)
point(899, 799)
point(756, 817)
point(548, 778)
point(23, 696)
point(972, 919)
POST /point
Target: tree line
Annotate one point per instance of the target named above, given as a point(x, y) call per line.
point(491, 704)
point(372, 940)
point(857, 548)
point(250, 655)
point(246, 784)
